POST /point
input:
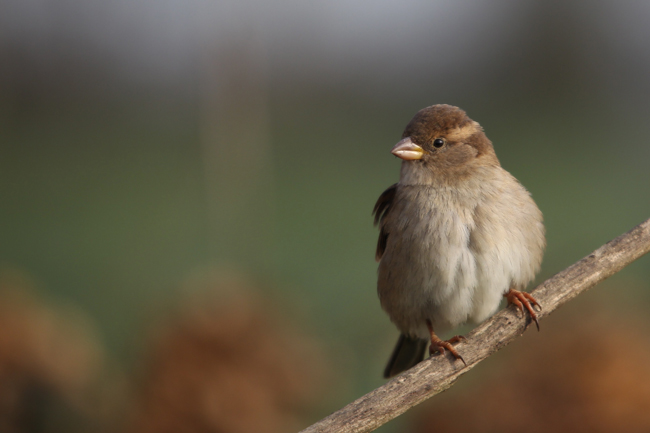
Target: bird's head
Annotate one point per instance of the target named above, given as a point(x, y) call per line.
point(441, 140)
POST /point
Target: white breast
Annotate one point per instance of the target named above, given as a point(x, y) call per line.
point(452, 252)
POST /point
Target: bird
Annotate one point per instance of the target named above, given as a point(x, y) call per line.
point(457, 234)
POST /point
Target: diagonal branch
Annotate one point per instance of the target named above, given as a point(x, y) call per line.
point(438, 373)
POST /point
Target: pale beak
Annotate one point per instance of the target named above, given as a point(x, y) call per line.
point(407, 150)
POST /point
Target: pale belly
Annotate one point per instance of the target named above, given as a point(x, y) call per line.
point(450, 266)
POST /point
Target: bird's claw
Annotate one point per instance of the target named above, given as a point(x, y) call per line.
point(523, 300)
point(438, 345)
point(441, 346)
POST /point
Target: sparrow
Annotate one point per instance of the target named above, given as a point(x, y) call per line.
point(457, 233)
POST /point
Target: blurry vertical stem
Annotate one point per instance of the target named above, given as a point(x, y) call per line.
point(236, 150)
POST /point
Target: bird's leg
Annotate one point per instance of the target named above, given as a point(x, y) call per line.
point(440, 345)
point(521, 300)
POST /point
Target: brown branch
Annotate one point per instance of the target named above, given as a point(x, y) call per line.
point(438, 373)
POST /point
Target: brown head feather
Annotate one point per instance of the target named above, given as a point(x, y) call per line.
point(464, 138)
point(433, 121)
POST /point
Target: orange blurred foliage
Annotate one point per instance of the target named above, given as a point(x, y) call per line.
point(227, 363)
point(49, 360)
point(586, 375)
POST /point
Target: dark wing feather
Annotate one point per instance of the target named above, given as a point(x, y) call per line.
point(384, 203)
point(382, 207)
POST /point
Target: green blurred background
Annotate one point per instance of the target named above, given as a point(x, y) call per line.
point(144, 143)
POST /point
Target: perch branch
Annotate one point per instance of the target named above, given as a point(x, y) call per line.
point(438, 373)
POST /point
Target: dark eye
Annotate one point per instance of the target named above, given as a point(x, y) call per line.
point(438, 143)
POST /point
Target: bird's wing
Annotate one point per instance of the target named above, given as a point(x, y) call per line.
point(382, 207)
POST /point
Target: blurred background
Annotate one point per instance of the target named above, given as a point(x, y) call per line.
point(185, 193)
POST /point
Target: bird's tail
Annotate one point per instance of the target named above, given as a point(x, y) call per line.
point(408, 352)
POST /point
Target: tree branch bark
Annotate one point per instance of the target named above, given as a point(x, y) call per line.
point(438, 373)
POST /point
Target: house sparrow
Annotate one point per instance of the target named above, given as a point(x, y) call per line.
point(457, 233)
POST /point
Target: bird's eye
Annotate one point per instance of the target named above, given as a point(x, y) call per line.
point(438, 143)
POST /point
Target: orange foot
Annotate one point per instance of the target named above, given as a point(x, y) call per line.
point(521, 300)
point(438, 345)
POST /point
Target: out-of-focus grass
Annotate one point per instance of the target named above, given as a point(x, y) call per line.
point(106, 205)
point(103, 205)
